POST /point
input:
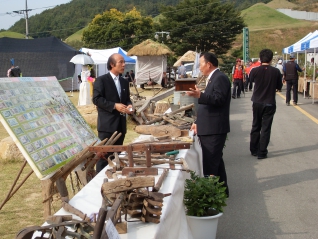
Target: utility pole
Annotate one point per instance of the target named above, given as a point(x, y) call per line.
point(26, 16)
point(26, 20)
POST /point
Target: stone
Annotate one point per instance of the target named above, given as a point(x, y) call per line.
point(9, 150)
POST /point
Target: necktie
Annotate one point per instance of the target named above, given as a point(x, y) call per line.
point(117, 83)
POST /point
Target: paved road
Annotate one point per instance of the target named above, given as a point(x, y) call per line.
point(274, 197)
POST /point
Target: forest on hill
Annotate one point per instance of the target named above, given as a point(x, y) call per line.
point(66, 19)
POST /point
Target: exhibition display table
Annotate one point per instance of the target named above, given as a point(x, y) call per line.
point(173, 223)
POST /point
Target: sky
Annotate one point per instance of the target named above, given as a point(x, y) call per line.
point(37, 6)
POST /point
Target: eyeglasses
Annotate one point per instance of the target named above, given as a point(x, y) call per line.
point(121, 62)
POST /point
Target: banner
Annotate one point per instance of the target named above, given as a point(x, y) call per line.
point(246, 51)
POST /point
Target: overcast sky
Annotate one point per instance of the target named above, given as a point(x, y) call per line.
point(8, 6)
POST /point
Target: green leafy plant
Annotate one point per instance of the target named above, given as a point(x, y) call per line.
point(204, 196)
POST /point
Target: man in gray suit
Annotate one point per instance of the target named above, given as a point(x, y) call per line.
point(213, 116)
point(111, 96)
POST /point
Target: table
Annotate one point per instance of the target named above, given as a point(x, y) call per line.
point(173, 223)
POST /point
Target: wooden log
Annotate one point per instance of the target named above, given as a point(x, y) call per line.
point(161, 108)
point(138, 119)
point(67, 207)
point(149, 202)
point(124, 184)
point(140, 171)
point(143, 116)
point(111, 214)
point(61, 186)
point(100, 223)
point(184, 108)
point(175, 122)
point(156, 211)
point(157, 187)
point(156, 98)
point(159, 130)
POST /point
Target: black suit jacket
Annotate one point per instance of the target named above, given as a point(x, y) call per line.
point(213, 115)
point(104, 97)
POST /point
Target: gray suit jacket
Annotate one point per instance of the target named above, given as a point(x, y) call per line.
point(213, 115)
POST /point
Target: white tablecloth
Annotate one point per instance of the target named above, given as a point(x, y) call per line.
point(173, 223)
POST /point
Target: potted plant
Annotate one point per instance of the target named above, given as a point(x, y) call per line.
point(204, 199)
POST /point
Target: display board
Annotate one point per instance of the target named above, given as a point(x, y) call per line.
point(43, 122)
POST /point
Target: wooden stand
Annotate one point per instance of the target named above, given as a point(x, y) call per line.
point(184, 84)
point(147, 148)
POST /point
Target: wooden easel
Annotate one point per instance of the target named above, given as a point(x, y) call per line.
point(60, 176)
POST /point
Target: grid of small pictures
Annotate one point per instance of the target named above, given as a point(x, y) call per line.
point(44, 121)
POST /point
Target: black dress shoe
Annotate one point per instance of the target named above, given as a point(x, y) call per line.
point(262, 157)
point(254, 154)
point(233, 96)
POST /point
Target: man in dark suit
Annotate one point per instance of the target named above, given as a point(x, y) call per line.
point(213, 116)
point(111, 96)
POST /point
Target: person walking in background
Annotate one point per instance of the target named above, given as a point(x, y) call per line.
point(248, 84)
point(112, 97)
point(238, 79)
point(132, 76)
point(280, 67)
point(267, 80)
point(182, 70)
point(255, 63)
point(291, 69)
point(213, 116)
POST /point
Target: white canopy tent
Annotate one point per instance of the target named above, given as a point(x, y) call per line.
point(307, 44)
point(290, 49)
point(100, 57)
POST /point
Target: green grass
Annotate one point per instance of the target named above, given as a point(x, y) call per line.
point(260, 16)
point(77, 36)
point(12, 34)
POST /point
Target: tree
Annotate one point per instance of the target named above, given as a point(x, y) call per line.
point(114, 28)
point(205, 25)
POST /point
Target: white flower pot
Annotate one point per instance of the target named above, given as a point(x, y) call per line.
point(203, 227)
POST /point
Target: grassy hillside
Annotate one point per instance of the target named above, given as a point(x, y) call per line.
point(75, 40)
point(281, 4)
point(11, 34)
point(272, 29)
point(77, 36)
point(260, 16)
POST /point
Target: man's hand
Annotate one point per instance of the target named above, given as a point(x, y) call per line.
point(194, 92)
point(123, 108)
point(194, 128)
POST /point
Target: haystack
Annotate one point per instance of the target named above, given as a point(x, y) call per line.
point(151, 62)
point(149, 48)
point(189, 56)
